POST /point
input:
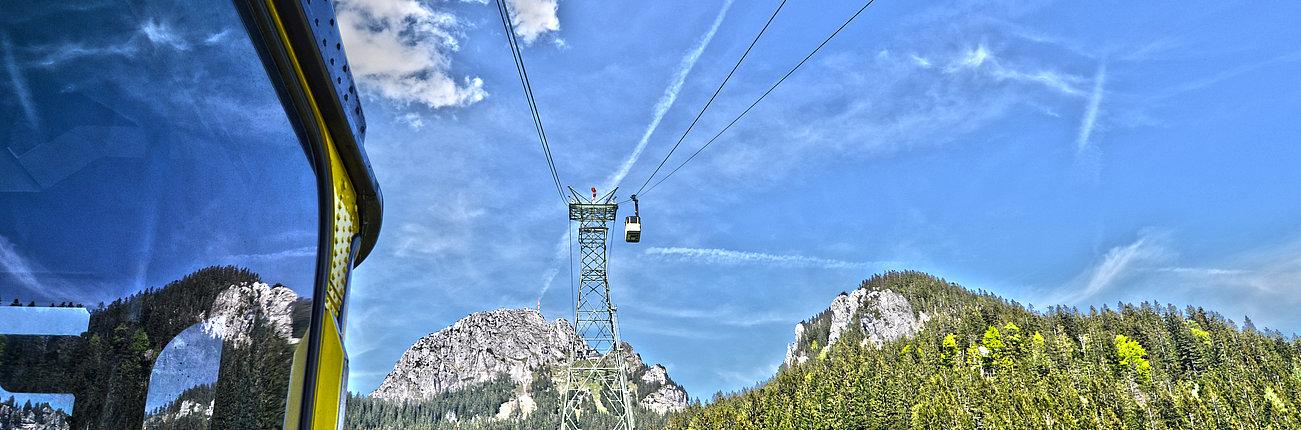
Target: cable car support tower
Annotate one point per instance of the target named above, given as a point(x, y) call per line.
point(596, 370)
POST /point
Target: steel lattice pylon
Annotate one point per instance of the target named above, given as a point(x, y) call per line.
point(596, 371)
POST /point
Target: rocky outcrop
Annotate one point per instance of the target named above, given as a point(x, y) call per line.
point(889, 316)
point(233, 313)
point(661, 395)
point(476, 349)
point(518, 343)
point(522, 405)
point(32, 417)
point(668, 398)
point(881, 315)
point(794, 354)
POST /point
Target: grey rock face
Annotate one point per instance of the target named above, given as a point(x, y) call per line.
point(793, 349)
point(42, 417)
point(514, 342)
point(882, 315)
point(669, 398)
point(233, 313)
point(665, 396)
point(891, 317)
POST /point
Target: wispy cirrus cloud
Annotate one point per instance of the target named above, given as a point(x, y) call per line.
point(983, 60)
point(301, 252)
point(19, 83)
point(16, 266)
point(662, 106)
point(669, 97)
point(1261, 283)
point(717, 256)
point(928, 96)
point(725, 315)
point(1090, 118)
point(161, 33)
point(1118, 265)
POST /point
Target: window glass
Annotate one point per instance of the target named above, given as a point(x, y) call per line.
point(158, 220)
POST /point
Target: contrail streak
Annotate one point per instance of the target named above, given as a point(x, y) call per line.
point(1091, 111)
point(661, 107)
point(669, 97)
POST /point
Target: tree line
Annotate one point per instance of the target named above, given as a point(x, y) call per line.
point(985, 362)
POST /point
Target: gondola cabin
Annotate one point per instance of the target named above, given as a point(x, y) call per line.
point(632, 229)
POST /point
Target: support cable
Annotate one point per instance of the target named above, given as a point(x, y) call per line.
point(714, 96)
point(528, 95)
point(761, 97)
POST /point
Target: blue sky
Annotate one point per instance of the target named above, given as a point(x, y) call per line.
point(1051, 152)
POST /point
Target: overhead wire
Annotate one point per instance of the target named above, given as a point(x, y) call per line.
point(761, 97)
point(573, 297)
point(714, 96)
point(509, 28)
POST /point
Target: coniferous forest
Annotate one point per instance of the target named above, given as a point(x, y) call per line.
point(476, 408)
point(108, 367)
point(985, 362)
point(978, 362)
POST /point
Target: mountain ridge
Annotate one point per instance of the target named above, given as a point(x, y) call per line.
point(981, 361)
point(511, 361)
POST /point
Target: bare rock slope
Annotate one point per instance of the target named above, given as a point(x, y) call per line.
point(882, 315)
point(514, 342)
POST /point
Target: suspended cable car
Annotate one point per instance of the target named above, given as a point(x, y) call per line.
point(632, 224)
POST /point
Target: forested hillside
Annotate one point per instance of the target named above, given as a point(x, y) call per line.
point(500, 369)
point(980, 361)
point(109, 368)
point(479, 407)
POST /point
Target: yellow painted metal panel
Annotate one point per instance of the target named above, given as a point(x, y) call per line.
point(330, 380)
point(332, 360)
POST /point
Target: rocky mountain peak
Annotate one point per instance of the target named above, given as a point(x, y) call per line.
point(235, 309)
point(882, 315)
point(517, 343)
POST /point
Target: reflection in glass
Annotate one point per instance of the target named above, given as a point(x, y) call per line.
point(157, 220)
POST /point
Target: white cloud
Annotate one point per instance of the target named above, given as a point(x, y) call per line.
point(1260, 283)
point(217, 37)
point(399, 50)
point(301, 252)
point(974, 58)
point(732, 257)
point(413, 120)
point(665, 102)
point(61, 54)
point(981, 58)
point(162, 34)
point(19, 83)
point(669, 97)
point(725, 315)
point(882, 104)
point(1120, 263)
point(17, 266)
point(533, 18)
point(921, 61)
point(1202, 271)
point(1091, 110)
